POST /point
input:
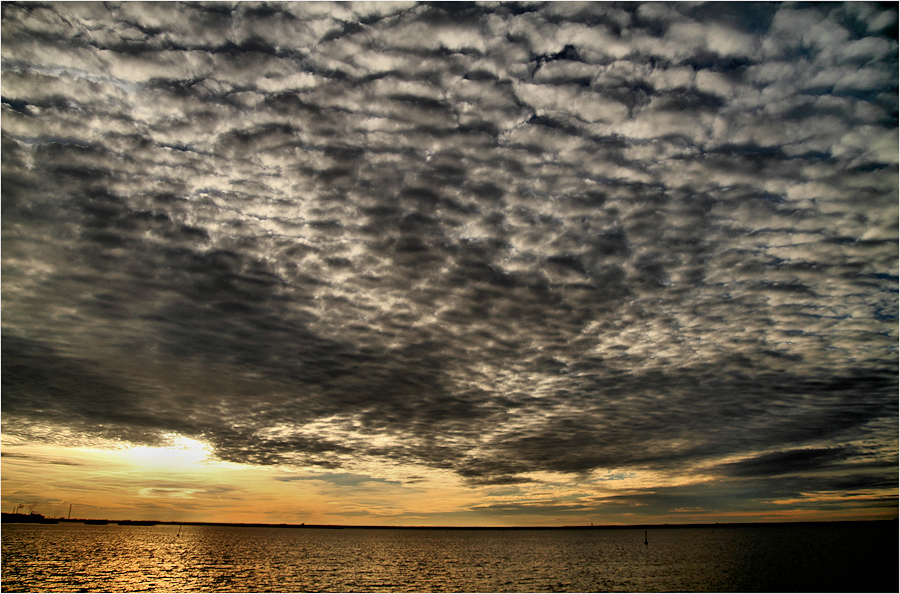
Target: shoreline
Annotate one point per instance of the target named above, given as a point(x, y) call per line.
point(8, 519)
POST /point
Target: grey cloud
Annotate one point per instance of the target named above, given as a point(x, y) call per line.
point(465, 226)
point(605, 433)
point(341, 479)
point(777, 463)
point(41, 459)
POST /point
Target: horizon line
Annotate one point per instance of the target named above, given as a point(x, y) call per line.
point(6, 518)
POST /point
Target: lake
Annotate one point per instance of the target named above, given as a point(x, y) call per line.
point(72, 557)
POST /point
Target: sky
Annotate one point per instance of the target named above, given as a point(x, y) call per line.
point(541, 263)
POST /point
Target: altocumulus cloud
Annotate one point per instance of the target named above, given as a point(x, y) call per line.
point(495, 239)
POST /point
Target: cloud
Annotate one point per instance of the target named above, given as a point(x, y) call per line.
point(39, 459)
point(517, 239)
point(342, 479)
point(777, 463)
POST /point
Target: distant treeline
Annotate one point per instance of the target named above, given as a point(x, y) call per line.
point(31, 518)
point(34, 518)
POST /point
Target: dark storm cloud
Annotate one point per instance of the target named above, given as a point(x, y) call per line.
point(515, 238)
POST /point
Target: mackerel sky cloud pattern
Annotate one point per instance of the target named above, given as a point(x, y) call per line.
point(507, 241)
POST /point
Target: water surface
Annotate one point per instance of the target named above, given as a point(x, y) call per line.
point(818, 557)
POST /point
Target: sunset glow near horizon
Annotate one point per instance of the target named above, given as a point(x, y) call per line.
point(487, 264)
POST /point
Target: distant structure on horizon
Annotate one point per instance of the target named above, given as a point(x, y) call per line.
point(31, 518)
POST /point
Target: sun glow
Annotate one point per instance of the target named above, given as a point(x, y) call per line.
point(180, 452)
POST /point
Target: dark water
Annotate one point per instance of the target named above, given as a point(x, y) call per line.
point(767, 558)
